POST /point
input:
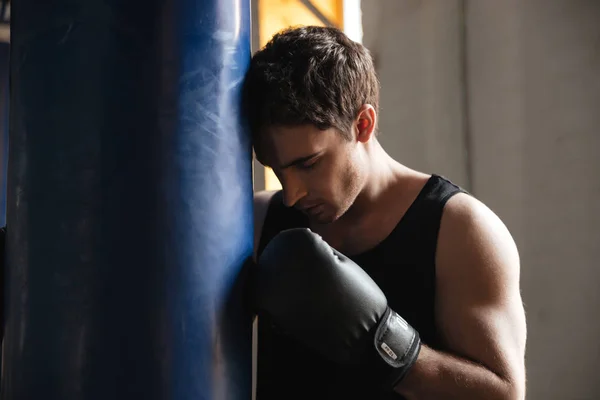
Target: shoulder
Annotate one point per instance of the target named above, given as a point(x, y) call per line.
point(262, 200)
point(476, 253)
point(471, 232)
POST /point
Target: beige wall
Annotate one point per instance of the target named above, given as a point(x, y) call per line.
point(417, 50)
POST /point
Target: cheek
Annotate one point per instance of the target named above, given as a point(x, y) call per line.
point(346, 180)
point(351, 181)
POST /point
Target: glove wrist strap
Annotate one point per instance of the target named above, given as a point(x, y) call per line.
point(398, 344)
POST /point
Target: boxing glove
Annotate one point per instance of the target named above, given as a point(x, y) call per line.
point(324, 300)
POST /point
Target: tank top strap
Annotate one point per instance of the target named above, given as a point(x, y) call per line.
point(441, 190)
point(425, 213)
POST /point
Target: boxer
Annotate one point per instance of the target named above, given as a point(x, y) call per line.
point(372, 280)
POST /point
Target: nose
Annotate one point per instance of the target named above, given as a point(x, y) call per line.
point(293, 190)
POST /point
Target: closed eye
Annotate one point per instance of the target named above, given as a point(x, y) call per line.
point(308, 165)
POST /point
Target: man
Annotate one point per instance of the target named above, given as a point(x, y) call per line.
point(433, 255)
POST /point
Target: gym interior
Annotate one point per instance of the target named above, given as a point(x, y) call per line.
point(127, 177)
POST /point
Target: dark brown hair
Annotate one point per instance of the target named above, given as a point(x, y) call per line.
point(309, 75)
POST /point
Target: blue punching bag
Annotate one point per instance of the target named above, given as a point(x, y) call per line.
point(4, 62)
point(129, 201)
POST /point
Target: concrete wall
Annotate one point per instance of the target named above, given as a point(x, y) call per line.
point(503, 97)
point(417, 50)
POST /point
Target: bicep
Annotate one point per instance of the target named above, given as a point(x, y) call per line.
point(479, 308)
point(492, 335)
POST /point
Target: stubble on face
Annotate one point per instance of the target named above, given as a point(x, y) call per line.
point(333, 184)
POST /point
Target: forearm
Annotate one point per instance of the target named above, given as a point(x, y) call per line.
point(438, 375)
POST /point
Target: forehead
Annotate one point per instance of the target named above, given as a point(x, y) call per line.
point(279, 145)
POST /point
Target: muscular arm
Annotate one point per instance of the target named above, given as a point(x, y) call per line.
point(479, 312)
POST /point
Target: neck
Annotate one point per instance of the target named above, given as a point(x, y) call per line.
point(383, 173)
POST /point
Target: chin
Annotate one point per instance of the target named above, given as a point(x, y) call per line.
point(323, 220)
point(327, 217)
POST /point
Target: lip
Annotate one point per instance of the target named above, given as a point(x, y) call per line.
point(310, 209)
point(308, 206)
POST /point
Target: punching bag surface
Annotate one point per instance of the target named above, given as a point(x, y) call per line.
point(129, 201)
point(4, 62)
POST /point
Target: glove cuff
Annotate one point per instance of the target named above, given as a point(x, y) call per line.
point(398, 345)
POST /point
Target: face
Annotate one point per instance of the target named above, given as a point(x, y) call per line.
point(321, 172)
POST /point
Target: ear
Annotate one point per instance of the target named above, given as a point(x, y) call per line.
point(365, 123)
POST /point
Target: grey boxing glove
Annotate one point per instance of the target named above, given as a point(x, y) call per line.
point(324, 300)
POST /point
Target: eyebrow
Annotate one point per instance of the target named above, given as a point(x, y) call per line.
point(300, 160)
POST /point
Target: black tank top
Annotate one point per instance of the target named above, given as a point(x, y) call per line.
point(403, 265)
